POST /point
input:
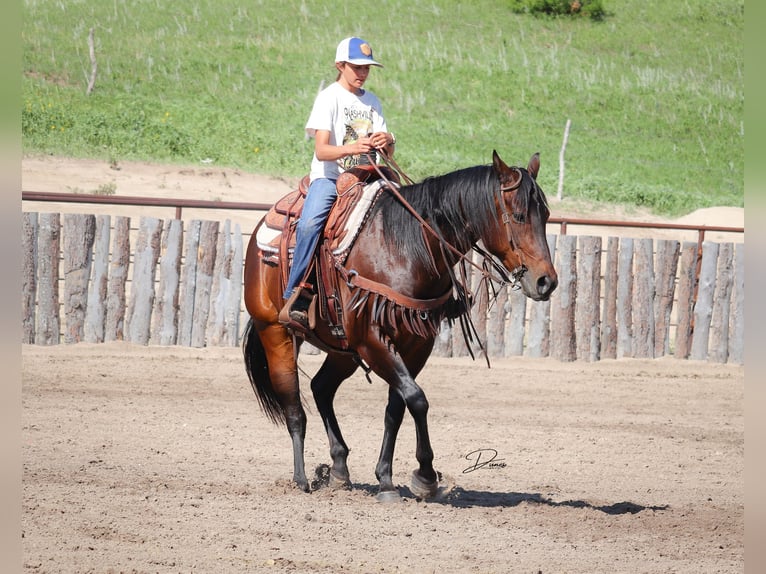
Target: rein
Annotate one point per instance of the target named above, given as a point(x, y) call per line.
point(394, 190)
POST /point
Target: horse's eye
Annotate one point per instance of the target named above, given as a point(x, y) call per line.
point(519, 217)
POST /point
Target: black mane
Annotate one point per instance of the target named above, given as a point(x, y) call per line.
point(459, 205)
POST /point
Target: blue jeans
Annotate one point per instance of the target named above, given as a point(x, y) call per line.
point(320, 198)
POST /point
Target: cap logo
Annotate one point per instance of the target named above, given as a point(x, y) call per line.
point(366, 50)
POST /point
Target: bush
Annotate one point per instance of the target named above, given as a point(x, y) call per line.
point(593, 9)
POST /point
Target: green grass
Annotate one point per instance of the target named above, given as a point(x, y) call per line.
point(655, 91)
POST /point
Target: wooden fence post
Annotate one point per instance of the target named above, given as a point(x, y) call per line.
point(737, 321)
point(643, 300)
point(114, 329)
point(48, 248)
point(588, 300)
point(234, 295)
point(165, 320)
point(138, 324)
point(189, 272)
point(204, 281)
point(479, 309)
point(625, 299)
point(496, 323)
point(703, 309)
point(29, 228)
point(667, 265)
point(443, 342)
point(515, 325)
point(719, 323)
point(539, 342)
point(78, 235)
point(563, 342)
point(609, 312)
point(220, 329)
point(687, 278)
point(95, 313)
point(459, 345)
point(219, 288)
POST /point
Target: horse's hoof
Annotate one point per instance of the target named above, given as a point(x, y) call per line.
point(422, 488)
point(338, 482)
point(387, 496)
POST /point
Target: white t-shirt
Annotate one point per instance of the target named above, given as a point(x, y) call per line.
point(347, 116)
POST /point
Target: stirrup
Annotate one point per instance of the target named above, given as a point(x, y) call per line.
point(296, 318)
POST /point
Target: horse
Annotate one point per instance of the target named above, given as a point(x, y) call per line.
point(398, 285)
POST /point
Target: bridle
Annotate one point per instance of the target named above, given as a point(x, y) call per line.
point(517, 217)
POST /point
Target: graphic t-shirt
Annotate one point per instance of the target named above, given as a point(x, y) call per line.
point(347, 116)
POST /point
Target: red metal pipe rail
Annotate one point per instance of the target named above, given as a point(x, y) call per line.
point(179, 204)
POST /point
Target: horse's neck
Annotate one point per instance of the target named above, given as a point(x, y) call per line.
point(452, 263)
point(452, 246)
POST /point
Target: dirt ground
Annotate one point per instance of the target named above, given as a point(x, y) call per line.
point(158, 459)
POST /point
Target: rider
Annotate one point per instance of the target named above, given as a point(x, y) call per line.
point(347, 123)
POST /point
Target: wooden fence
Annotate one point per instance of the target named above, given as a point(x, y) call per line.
point(181, 284)
point(185, 285)
point(633, 298)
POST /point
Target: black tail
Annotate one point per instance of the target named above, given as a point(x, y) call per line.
point(258, 372)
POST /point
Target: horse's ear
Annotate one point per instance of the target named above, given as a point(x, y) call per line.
point(497, 162)
point(534, 165)
point(509, 178)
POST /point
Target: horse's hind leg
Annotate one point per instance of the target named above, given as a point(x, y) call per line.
point(284, 378)
point(295, 417)
point(324, 385)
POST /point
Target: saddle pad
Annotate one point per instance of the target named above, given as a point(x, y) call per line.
point(267, 237)
point(358, 215)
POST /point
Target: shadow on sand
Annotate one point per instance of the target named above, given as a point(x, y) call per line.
point(458, 497)
point(461, 498)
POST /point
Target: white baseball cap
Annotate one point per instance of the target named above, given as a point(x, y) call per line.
point(355, 51)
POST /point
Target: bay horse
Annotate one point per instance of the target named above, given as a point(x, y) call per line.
point(398, 284)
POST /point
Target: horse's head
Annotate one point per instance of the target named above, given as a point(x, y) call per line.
point(520, 242)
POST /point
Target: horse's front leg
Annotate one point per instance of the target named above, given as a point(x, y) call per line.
point(384, 469)
point(392, 368)
point(424, 483)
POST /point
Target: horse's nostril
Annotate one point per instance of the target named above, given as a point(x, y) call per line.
point(546, 285)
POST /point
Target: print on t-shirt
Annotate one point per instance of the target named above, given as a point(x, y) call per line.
point(358, 124)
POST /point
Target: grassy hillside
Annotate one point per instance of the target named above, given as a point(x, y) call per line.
point(655, 92)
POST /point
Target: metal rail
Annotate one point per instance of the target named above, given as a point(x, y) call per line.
point(179, 204)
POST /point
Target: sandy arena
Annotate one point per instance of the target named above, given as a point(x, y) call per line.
point(157, 459)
